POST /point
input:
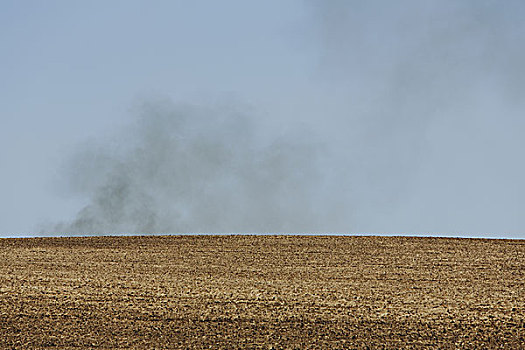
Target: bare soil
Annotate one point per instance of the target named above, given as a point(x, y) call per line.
point(280, 292)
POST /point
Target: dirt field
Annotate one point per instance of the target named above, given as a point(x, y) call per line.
point(290, 292)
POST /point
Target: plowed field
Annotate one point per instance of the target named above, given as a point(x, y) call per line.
point(289, 292)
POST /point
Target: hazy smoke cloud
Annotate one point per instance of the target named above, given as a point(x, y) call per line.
point(417, 110)
point(197, 169)
point(429, 99)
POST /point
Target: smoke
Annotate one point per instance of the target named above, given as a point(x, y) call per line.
point(413, 124)
point(429, 98)
point(185, 168)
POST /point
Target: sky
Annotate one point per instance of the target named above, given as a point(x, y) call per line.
point(130, 117)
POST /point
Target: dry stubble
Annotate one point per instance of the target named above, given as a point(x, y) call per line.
point(261, 292)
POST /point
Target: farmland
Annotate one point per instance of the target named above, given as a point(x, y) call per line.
point(290, 292)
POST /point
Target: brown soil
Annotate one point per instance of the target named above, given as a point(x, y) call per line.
point(290, 292)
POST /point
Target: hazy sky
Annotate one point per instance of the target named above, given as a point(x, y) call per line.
point(297, 116)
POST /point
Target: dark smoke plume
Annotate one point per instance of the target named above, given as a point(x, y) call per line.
point(197, 169)
point(417, 107)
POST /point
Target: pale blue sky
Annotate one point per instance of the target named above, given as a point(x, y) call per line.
point(420, 102)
